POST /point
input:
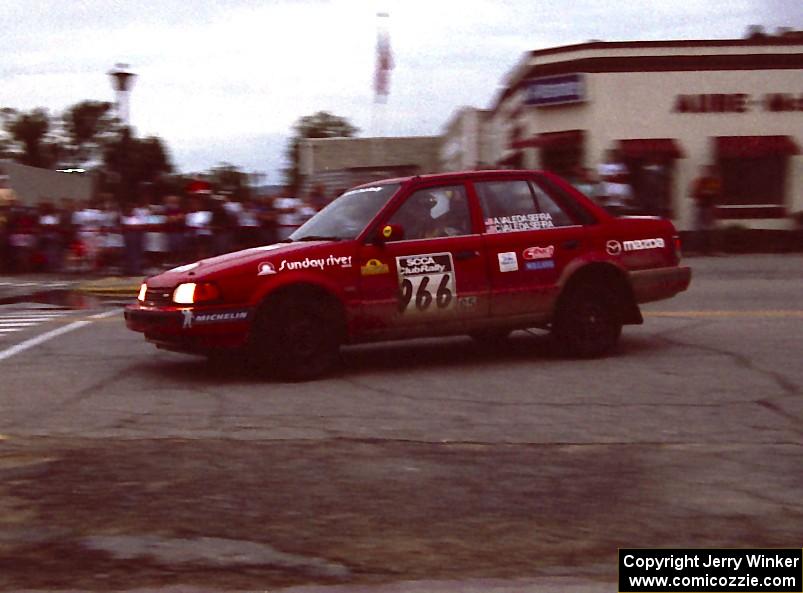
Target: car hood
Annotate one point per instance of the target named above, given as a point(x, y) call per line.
point(234, 262)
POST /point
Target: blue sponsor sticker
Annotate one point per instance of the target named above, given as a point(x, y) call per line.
point(543, 264)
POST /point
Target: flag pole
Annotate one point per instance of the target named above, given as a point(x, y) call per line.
point(384, 64)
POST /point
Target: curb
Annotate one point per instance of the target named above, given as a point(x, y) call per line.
point(110, 287)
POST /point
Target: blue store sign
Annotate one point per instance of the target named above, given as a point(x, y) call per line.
point(554, 90)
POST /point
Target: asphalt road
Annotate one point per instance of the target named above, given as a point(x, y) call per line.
point(426, 465)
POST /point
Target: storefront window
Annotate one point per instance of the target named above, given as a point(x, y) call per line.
point(753, 168)
point(753, 180)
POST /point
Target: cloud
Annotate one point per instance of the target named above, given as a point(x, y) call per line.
point(216, 77)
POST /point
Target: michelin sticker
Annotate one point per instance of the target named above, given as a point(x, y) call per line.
point(426, 283)
point(193, 318)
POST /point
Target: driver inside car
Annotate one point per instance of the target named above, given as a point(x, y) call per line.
point(432, 214)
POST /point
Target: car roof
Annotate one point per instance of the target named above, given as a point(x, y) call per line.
point(454, 176)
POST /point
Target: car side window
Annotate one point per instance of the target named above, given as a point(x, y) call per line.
point(547, 205)
point(434, 212)
point(518, 206)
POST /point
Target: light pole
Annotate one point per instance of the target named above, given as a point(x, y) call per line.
point(122, 80)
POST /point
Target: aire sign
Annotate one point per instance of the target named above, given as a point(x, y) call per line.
point(737, 103)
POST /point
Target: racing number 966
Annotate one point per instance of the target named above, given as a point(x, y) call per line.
point(417, 288)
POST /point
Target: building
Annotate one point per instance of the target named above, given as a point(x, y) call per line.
point(32, 185)
point(335, 164)
point(465, 144)
point(673, 105)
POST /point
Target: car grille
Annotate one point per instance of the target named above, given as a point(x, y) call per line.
point(159, 296)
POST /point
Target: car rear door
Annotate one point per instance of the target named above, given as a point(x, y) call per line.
point(431, 273)
point(530, 238)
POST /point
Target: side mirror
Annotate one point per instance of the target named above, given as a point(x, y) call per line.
point(389, 232)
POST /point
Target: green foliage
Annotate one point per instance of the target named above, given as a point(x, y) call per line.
point(88, 134)
point(87, 126)
point(131, 163)
point(318, 125)
point(227, 178)
point(30, 131)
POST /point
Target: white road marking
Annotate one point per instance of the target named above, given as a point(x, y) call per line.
point(29, 317)
point(28, 344)
point(14, 320)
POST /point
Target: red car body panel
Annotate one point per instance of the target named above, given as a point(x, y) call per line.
point(470, 281)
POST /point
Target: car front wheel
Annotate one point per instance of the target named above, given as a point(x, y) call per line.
point(297, 339)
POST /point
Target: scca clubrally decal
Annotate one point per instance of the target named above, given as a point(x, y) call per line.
point(426, 282)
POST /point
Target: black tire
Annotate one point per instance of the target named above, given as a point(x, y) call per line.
point(297, 339)
point(225, 358)
point(491, 337)
point(587, 323)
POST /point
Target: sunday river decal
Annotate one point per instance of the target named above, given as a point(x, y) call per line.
point(316, 263)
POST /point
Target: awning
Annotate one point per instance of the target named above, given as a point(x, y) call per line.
point(512, 160)
point(740, 147)
point(551, 139)
point(643, 147)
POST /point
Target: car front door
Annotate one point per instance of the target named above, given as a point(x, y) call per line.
point(429, 273)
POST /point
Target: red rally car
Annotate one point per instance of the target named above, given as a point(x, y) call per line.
point(480, 253)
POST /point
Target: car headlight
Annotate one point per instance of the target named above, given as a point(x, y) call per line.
point(191, 293)
point(143, 289)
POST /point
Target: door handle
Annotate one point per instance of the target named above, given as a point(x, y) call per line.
point(571, 244)
point(464, 255)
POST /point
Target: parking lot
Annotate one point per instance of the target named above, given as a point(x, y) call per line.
point(436, 460)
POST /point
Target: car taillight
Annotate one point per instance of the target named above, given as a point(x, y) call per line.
point(678, 246)
point(191, 293)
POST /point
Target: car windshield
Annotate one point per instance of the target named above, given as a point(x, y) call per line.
point(346, 216)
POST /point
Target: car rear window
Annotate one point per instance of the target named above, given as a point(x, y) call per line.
point(518, 205)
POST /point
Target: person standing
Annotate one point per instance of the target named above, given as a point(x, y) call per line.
point(198, 222)
point(706, 192)
point(49, 237)
point(288, 217)
point(655, 187)
point(616, 195)
point(175, 229)
point(133, 223)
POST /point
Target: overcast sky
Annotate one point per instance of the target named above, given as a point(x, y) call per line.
point(224, 80)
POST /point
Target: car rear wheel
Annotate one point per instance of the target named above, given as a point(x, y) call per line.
point(297, 339)
point(587, 323)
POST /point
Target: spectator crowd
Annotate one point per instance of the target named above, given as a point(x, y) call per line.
point(102, 237)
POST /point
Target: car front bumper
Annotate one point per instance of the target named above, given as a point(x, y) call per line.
point(193, 330)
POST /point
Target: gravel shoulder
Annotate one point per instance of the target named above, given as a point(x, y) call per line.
point(123, 514)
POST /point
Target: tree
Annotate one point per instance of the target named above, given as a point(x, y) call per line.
point(87, 126)
point(30, 130)
point(319, 125)
point(132, 163)
point(230, 179)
